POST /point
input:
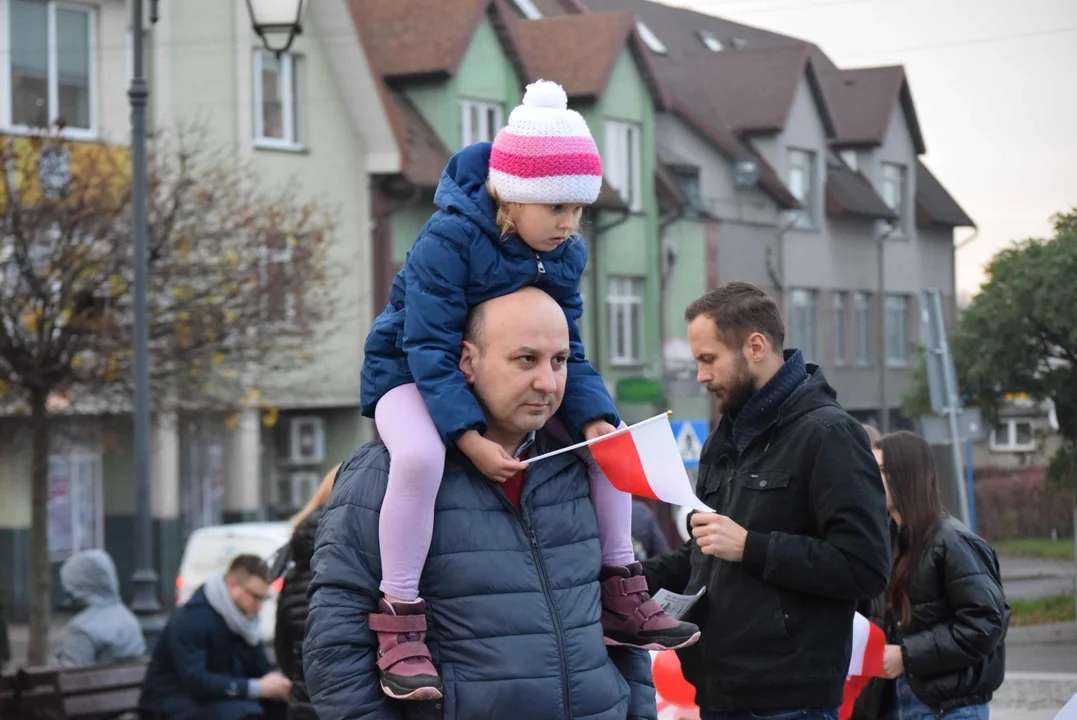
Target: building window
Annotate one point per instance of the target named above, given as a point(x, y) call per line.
point(803, 331)
point(1013, 436)
point(839, 321)
point(277, 99)
point(650, 39)
point(282, 301)
point(528, 9)
point(624, 296)
point(622, 161)
point(50, 48)
point(802, 185)
point(897, 330)
point(74, 505)
point(894, 191)
point(862, 305)
point(709, 40)
point(688, 182)
point(479, 121)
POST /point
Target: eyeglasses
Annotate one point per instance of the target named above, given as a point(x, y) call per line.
point(255, 596)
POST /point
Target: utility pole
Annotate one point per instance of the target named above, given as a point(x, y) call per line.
point(144, 604)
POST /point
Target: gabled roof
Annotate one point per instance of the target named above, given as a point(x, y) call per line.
point(750, 88)
point(580, 52)
point(756, 88)
point(408, 39)
point(850, 193)
point(423, 155)
point(734, 149)
point(863, 100)
point(934, 203)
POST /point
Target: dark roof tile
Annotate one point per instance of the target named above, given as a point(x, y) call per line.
point(934, 203)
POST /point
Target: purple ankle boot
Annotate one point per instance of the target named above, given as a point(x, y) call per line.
point(631, 617)
point(403, 658)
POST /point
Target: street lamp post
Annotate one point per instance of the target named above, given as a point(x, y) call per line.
point(271, 19)
point(144, 603)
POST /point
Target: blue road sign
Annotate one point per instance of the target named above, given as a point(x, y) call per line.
point(690, 434)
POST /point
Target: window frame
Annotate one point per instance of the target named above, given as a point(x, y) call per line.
point(83, 455)
point(839, 309)
point(810, 353)
point(621, 295)
point(467, 134)
point(290, 80)
point(901, 205)
point(807, 217)
point(889, 307)
point(7, 105)
point(862, 310)
point(624, 152)
point(1011, 444)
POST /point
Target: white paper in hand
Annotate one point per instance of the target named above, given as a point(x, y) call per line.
point(677, 606)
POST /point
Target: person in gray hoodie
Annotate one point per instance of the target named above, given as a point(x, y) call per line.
point(104, 630)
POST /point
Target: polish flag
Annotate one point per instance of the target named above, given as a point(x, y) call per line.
point(643, 460)
point(869, 643)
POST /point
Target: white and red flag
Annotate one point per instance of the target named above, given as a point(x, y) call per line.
point(643, 460)
point(869, 644)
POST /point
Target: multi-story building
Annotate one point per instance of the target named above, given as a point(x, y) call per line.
point(310, 119)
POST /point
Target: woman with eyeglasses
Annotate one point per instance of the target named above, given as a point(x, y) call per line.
point(949, 612)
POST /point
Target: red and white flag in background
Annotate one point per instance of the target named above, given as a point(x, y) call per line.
point(643, 460)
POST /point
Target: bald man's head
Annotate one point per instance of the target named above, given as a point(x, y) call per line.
point(515, 357)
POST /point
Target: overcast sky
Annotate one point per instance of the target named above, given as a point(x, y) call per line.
point(995, 87)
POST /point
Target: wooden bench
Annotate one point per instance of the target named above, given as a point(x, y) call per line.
point(99, 692)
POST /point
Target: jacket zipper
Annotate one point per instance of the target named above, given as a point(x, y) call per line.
point(545, 579)
point(553, 614)
point(541, 269)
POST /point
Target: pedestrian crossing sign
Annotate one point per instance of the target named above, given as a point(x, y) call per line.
point(690, 436)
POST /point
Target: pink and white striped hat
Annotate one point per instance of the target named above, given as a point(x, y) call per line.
point(546, 153)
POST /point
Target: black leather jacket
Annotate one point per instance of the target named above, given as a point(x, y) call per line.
point(953, 647)
point(292, 609)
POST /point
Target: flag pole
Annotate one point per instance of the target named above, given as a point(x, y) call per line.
point(586, 443)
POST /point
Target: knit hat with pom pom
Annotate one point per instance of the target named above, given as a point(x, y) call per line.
point(546, 153)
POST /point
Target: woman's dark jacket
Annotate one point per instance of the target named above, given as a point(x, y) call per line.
point(953, 648)
point(292, 617)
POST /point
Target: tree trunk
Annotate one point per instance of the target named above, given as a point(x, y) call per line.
point(40, 599)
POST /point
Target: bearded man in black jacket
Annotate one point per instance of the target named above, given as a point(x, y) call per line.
point(799, 533)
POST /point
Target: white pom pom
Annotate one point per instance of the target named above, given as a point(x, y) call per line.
point(545, 94)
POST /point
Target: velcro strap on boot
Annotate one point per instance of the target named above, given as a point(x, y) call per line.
point(403, 651)
point(625, 586)
point(648, 610)
point(384, 622)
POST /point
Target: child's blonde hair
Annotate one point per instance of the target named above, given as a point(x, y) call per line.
point(505, 212)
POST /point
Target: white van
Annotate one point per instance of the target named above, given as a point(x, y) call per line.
point(211, 549)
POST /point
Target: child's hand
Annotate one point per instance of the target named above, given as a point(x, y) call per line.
point(597, 428)
point(489, 457)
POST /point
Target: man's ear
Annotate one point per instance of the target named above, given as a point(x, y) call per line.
point(756, 346)
point(468, 353)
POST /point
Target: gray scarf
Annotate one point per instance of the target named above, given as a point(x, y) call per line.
point(219, 599)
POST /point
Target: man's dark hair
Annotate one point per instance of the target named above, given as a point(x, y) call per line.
point(739, 309)
point(250, 566)
point(473, 328)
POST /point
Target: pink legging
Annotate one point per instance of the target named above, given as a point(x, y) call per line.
point(417, 462)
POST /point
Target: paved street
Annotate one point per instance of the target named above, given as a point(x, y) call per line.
point(1031, 579)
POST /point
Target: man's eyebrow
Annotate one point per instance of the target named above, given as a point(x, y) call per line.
point(525, 350)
